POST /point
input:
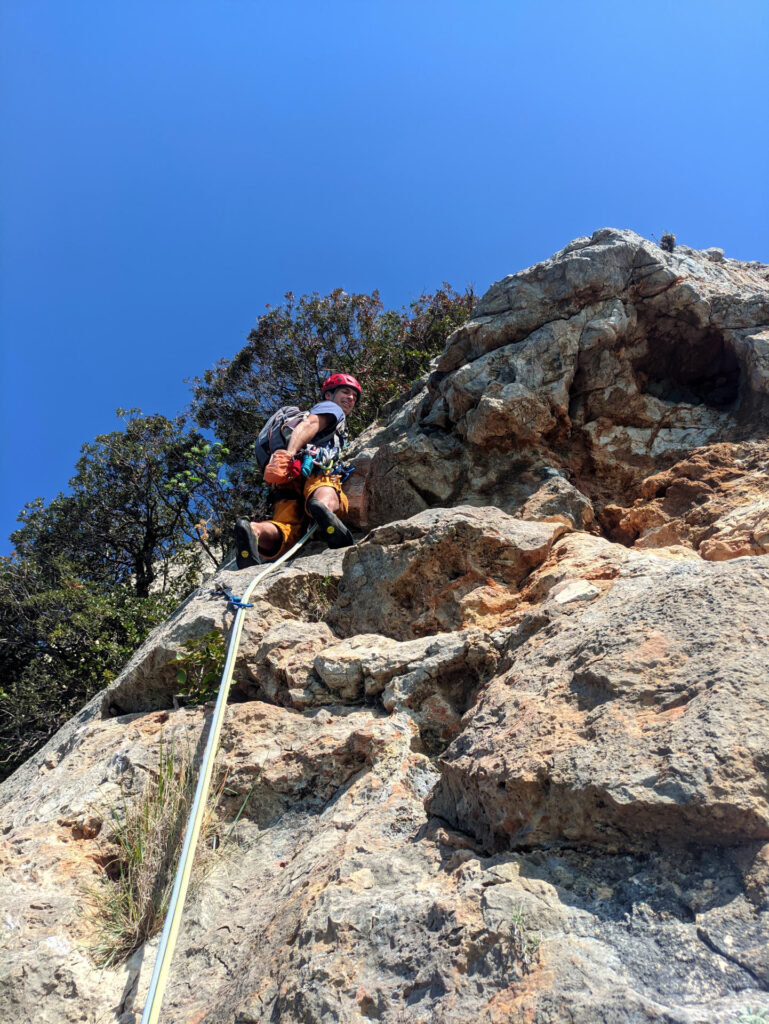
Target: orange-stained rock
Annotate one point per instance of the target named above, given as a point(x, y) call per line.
point(637, 712)
point(715, 501)
point(439, 570)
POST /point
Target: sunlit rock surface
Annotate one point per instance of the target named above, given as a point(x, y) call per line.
point(506, 759)
point(607, 362)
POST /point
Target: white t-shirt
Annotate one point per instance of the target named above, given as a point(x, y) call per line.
point(337, 427)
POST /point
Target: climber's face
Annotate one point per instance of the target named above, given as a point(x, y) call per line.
point(344, 397)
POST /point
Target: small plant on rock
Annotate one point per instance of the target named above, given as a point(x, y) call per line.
point(750, 1016)
point(141, 857)
point(525, 943)
point(321, 594)
point(199, 667)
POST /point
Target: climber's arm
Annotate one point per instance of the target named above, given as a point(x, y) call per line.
point(306, 431)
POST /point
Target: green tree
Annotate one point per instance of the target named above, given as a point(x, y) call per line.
point(63, 639)
point(138, 496)
point(98, 567)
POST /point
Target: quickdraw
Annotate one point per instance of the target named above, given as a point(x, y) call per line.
point(235, 602)
point(323, 459)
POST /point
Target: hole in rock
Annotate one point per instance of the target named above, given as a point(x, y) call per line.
point(440, 706)
point(111, 864)
point(688, 364)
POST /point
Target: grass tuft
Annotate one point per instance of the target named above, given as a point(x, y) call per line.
point(141, 855)
point(526, 944)
point(321, 594)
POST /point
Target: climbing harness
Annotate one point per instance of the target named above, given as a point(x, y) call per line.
point(312, 459)
point(176, 905)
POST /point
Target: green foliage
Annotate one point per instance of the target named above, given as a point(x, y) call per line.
point(97, 568)
point(63, 640)
point(119, 524)
point(320, 595)
point(525, 944)
point(204, 462)
point(750, 1016)
point(141, 858)
point(199, 667)
point(295, 346)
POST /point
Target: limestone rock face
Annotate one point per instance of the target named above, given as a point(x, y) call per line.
point(638, 709)
point(714, 501)
point(435, 678)
point(610, 361)
point(507, 759)
point(439, 570)
point(288, 595)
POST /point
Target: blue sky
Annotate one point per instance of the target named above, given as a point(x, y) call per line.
point(172, 167)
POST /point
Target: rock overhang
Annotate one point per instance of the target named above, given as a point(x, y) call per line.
point(607, 363)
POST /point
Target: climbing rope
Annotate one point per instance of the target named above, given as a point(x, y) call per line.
point(173, 916)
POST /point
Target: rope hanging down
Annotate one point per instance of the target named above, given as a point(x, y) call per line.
point(176, 905)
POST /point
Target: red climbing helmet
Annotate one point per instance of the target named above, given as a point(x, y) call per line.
point(341, 380)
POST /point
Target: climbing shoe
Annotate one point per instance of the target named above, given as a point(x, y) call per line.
point(331, 529)
point(246, 545)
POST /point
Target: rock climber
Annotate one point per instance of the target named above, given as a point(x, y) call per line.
point(300, 455)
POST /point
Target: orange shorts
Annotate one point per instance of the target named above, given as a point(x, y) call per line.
point(290, 514)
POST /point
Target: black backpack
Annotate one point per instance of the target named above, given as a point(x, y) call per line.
point(276, 432)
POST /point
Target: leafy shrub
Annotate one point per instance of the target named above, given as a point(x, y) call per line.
point(293, 348)
point(751, 1016)
point(64, 639)
point(199, 667)
point(128, 517)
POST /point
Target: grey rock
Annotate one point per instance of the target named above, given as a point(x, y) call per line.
point(434, 679)
point(149, 679)
point(557, 500)
point(613, 359)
